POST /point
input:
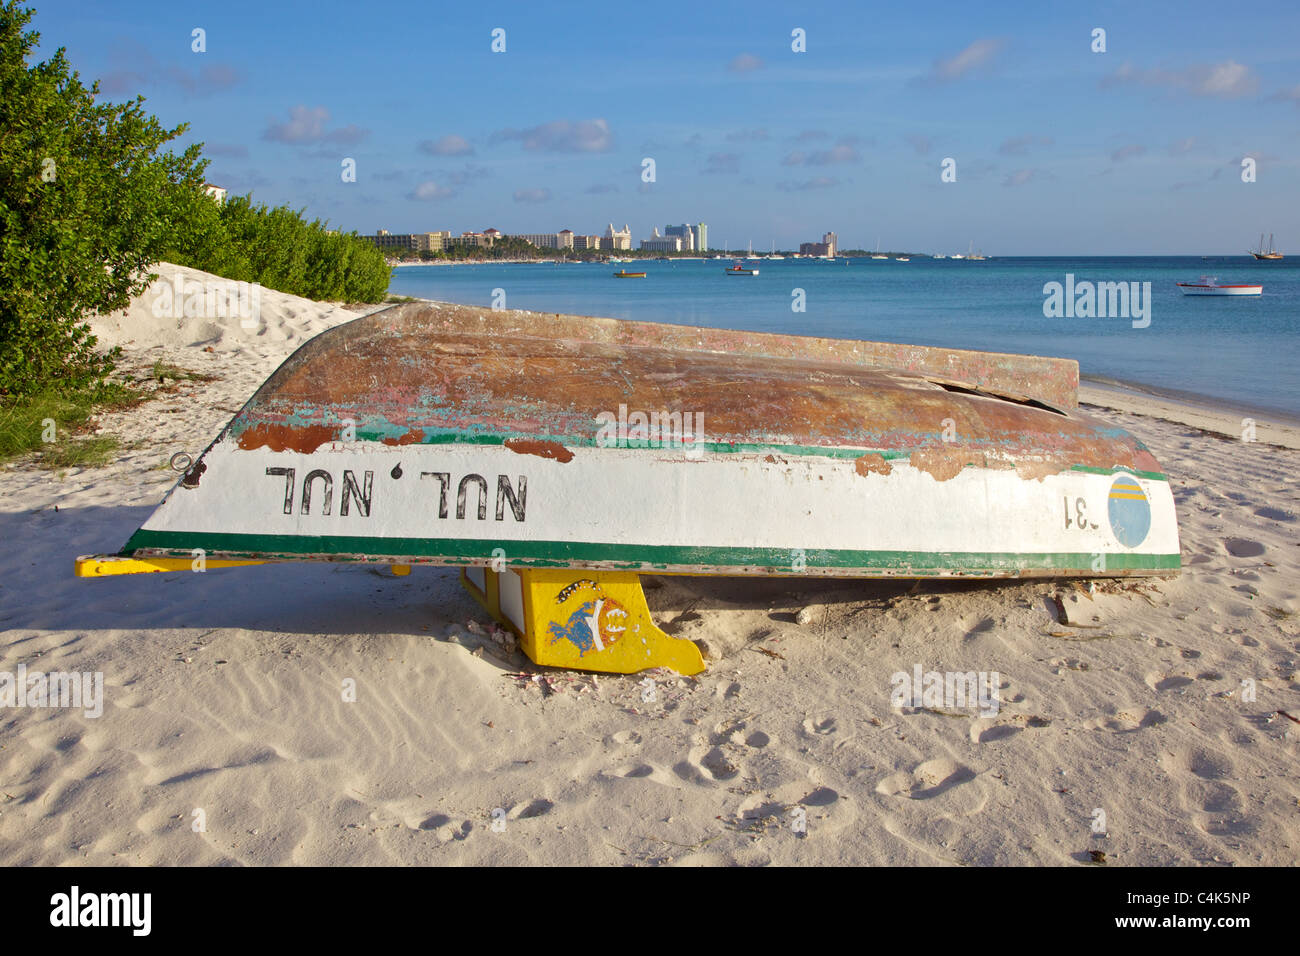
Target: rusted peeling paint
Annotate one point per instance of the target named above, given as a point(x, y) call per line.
point(872, 463)
point(415, 373)
point(193, 475)
point(542, 449)
point(305, 438)
point(413, 437)
point(945, 463)
point(1028, 468)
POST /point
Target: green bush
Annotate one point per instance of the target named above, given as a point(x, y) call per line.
point(279, 249)
point(86, 204)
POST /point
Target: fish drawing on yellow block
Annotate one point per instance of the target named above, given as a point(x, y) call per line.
point(593, 625)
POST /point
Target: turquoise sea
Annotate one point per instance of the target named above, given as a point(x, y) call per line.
point(1240, 351)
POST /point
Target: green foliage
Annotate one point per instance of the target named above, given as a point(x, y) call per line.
point(86, 204)
point(278, 249)
point(162, 371)
point(47, 423)
point(91, 452)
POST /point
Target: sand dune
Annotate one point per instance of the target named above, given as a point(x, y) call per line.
point(225, 691)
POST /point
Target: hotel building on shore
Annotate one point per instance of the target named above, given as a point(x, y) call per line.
point(414, 242)
point(564, 239)
point(694, 238)
point(658, 243)
point(620, 239)
point(827, 247)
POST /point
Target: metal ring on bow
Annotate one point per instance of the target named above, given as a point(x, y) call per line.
point(185, 467)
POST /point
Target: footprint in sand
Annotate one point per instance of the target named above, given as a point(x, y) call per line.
point(536, 808)
point(819, 728)
point(1207, 793)
point(727, 691)
point(927, 780)
point(1166, 682)
point(988, 735)
point(635, 771)
point(704, 764)
point(1243, 547)
point(1127, 721)
point(1275, 514)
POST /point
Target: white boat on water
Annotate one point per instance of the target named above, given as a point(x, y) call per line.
point(876, 254)
point(1210, 285)
point(903, 259)
point(738, 270)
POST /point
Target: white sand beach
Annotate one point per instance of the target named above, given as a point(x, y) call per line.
point(1122, 730)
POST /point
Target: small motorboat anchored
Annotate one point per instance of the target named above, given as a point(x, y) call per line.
point(1209, 285)
point(737, 269)
point(624, 274)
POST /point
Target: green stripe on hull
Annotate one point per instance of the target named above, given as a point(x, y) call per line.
point(560, 554)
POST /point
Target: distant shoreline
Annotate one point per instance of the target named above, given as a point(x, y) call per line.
point(1245, 259)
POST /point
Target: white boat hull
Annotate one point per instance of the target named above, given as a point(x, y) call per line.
point(1190, 288)
point(822, 515)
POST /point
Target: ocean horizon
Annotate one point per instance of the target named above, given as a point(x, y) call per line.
point(1230, 351)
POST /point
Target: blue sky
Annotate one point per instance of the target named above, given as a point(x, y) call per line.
point(1058, 150)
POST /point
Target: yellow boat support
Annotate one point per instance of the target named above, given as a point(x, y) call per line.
point(587, 620)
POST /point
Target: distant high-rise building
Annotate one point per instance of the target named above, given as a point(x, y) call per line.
point(685, 232)
point(616, 240)
point(415, 242)
point(548, 240)
point(827, 247)
point(694, 238)
point(658, 243)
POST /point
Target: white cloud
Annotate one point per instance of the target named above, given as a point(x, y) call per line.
point(1226, 80)
point(449, 145)
point(979, 54)
point(562, 136)
point(430, 190)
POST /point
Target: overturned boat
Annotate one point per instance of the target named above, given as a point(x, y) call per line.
point(554, 458)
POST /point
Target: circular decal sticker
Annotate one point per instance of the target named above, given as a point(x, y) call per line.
point(1130, 511)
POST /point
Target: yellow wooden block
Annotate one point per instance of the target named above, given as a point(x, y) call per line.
point(587, 620)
